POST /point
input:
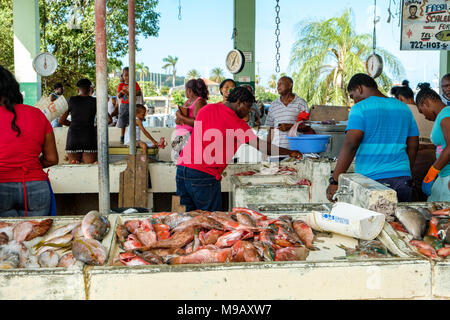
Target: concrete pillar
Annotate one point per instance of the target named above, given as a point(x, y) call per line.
point(444, 66)
point(26, 48)
point(244, 24)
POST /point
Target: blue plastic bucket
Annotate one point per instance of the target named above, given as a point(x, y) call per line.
point(309, 143)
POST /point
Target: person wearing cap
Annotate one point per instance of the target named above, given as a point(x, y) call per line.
point(58, 91)
point(219, 130)
point(81, 146)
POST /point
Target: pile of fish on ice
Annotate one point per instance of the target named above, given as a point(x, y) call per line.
point(429, 228)
point(28, 244)
point(243, 235)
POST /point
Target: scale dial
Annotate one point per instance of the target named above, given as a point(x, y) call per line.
point(45, 64)
point(374, 65)
point(235, 61)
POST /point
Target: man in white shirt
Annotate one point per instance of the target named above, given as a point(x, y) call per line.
point(445, 89)
point(283, 113)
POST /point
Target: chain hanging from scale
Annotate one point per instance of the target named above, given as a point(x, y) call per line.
point(179, 10)
point(374, 26)
point(277, 34)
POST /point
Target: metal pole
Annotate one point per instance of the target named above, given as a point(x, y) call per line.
point(102, 106)
point(132, 73)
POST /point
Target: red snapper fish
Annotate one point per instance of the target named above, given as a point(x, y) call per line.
point(210, 237)
point(244, 251)
point(131, 259)
point(28, 230)
point(230, 238)
point(146, 234)
point(162, 231)
point(444, 252)
point(132, 243)
point(204, 256)
point(291, 254)
point(177, 240)
point(200, 221)
point(424, 248)
point(442, 212)
point(252, 213)
point(304, 232)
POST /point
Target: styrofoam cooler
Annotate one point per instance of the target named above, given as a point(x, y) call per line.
point(348, 220)
point(52, 109)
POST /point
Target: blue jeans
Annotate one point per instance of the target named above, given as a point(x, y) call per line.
point(198, 190)
point(402, 185)
point(12, 200)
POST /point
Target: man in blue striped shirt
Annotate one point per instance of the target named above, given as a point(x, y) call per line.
point(383, 135)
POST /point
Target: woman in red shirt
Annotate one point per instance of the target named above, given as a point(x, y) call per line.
point(27, 145)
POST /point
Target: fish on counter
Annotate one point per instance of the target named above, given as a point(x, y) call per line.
point(291, 254)
point(242, 235)
point(424, 248)
point(441, 212)
point(67, 260)
point(204, 256)
point(4, 239)
point(48, 259)
point(57, 243)
point(305, 233)
point(95, 226)
point(89, 251)
point(413, 221)
point(28, 230)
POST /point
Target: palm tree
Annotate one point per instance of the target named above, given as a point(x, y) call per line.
point(193, 74)
point(171, 62)
point(273, 82)
point(143, 72)
point(328, 53)
point(217, 75)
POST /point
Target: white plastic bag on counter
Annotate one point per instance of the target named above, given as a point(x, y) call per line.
point(52, 109)
point(349, 220)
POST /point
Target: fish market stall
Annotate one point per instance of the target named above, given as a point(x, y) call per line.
point(44, 258)
point(330, 265)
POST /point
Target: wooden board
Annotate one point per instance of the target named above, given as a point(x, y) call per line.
point(322, 113)
point(134, 182)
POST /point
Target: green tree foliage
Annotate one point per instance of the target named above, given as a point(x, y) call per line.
point(6, 31)
point(328, 53)
point(215, 98)
point(164, 91)
point(217, 75)
point(273, 81)
point(171, 62)
point(265, 96)
point(75, 48)
point(179, 97)
point(193, 74)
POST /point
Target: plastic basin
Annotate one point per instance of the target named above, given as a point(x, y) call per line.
point(309, 143)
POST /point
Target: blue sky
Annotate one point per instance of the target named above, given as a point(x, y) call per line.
point(202, 38)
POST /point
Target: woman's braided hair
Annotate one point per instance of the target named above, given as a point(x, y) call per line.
point(10, 94)
point(426, 93)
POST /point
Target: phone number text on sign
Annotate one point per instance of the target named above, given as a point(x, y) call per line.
point(425, 25)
